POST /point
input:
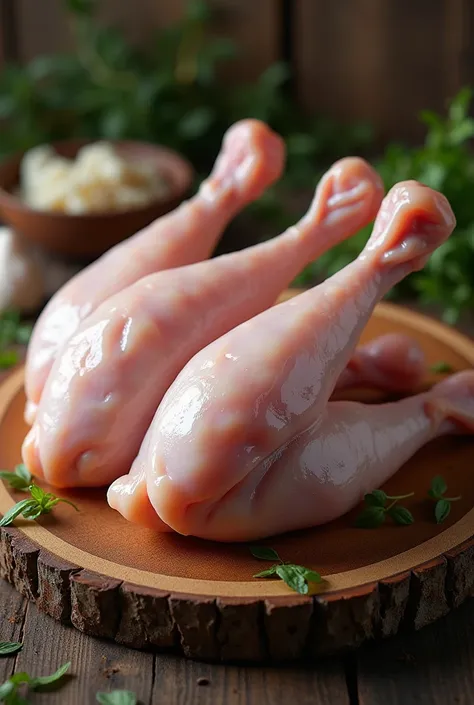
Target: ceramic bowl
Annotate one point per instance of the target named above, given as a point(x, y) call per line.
point(85, 237)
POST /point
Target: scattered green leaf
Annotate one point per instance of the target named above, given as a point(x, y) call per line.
point(41, 502)
point(9, 691)
point(401, 515)
point(441, 368)
point(377, 508)
point(443, 504)
point(371, 518)
point(17, 510)
point(295, 576)
point(267, 573)
point(263, 553)
point(442, 510)
point(7, 648)
point(117, 697)
point(12, 331)
point(377, 498)
point(19, 479)
point(438, 487)
point(40, 681)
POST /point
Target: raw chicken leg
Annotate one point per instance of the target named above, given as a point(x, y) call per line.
point(246, 444)
point(95, 410)
point(252, 158)
point(392, 362)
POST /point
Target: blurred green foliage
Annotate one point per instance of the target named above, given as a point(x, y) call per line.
point(169, 93)
point(445, 162)
point(166, 93)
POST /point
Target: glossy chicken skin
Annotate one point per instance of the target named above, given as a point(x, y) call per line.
point(393, 363)
point(96, 407)
point(252, 157)
point(246, 442)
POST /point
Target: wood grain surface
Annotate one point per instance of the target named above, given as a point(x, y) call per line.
point(363, 59)
point(434, 666)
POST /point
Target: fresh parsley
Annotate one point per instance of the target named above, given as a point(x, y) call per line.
point(441, 368)
point(12, 332)
point(444, 162)
point(117, 697)
point(8, 648)
point(20, 479)
point(443, 504)
point(40, 502)
point(10, 690)
point(379, 505)
point(295, 576)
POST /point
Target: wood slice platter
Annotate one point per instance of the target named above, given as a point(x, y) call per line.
point(115, 580)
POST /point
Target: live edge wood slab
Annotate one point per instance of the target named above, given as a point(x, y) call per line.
point(115, 580)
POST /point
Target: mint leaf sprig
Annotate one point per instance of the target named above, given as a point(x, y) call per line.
point(379, 505)
point(19, 479)
point(443, 504)
point(8, 648)
point(10, 690)
point(295, 576)
point(40, 503)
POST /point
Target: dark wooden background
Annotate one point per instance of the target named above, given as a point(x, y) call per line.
point(380, 60)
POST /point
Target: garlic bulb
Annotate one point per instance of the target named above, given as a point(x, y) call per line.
point(21, 278)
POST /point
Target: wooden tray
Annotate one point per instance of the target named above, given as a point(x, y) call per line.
point(116, 580)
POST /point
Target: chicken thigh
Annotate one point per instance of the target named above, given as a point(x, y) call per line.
point(108, 380)
point(246, 442)
point(252, 157)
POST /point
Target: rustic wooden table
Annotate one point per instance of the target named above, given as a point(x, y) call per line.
point(435, 665)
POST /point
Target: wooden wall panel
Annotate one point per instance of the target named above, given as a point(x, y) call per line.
point(254, 25)
point(8, 31)
point(43, 27)
point(381, 60)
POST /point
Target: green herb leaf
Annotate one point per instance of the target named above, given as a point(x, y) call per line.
point(371, 518)
point(40, 681)
point(117, 697)
point(20, 678)
point(438, 487)
point(9, 647)
point(16, 510)
point(19, 479)
point(401, 515)
point(60, 500)
point(310, 575)
point(23, 334)
point(22, 471)
point(441, 368)
point(38, 494)
point(41, 502)
point(442, 510)
point(15, 482)
point(264, 553)
point(7, 689)
point(377, 498)
point(8, 358)
point(267, 573)
point(293, 577)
